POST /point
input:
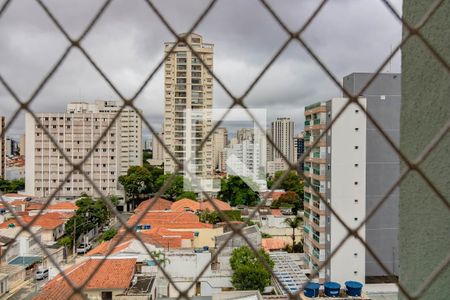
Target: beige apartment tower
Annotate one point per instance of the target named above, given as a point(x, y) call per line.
point(188, 103)
point(76, 132)
point(283, 137)
point(220, 141)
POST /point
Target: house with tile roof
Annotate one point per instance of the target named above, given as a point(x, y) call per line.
point(62, 207)
point(112, 279)
point(52, 225)
point(180, 221)
point(195, 206)
point(154, 204)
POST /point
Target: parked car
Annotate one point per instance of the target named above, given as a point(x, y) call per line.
point(83, 248)
point(41, 274)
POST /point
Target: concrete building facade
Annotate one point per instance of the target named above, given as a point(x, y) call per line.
point(335, 170)
point(352, 167)
point(188, 103)
point(382, 166)
point(282, 134)
point(76, 132)
point(130, 129)
point(220, 141)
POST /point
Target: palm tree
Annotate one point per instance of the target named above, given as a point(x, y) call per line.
point(294, 224)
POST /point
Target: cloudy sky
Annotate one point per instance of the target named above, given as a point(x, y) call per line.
point(127, 43)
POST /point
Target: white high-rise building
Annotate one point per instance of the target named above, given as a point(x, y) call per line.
point(220, 141)
point(76, 132)
point(188, 103)
point(130, 126)
point(282, 134)
point(336, 170)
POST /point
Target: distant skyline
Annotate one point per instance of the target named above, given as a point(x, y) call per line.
point(127, 42)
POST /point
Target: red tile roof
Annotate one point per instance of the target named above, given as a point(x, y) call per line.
point(271, 244)
point(63, 206)
point(112, 274)
point(182, 204)
point(169, 219)
point(276, 212)
point(46, 221)
point(275, 195)
point(154, 204)
point(34, 206)
point(159, 237)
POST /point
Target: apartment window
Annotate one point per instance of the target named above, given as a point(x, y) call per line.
point(356, 165)
point(356, 147)
point(356, 200)
point(356, 129)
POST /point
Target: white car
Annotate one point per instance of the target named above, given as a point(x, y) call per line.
point(84, 248)
point(41, 274)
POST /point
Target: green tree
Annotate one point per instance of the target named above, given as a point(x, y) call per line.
point(209, 217)
point(160, 257)
point(90, 213)
point(236, 191)
point(137, 183)
point(294, 223)
point(292, 182)
point(175, 189)
point(189, 195)
point(288, 199)
point(248, 272)
point(108, 234)
point(12, 186)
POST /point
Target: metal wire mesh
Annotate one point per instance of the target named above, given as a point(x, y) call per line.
point(236, 101)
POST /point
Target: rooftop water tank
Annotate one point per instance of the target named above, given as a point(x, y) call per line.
point(332, 289)
point(353, 288)
point(312, 290)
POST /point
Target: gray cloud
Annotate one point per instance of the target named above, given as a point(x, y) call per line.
point(127, 43)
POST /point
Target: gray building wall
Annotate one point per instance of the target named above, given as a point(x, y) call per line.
point(424, 219)
point(383, 166)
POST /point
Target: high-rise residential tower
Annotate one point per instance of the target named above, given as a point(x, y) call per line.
point(76, 132)
point(352, 167)
point(283, 138)
point(382, 166)
point(188, 103)
point(220, 141)
point(130, 129)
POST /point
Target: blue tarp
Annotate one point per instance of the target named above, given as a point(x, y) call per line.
point(25, 260)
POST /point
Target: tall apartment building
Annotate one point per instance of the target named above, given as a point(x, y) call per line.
point(188, 103)
point(243, 134)
point(246, 159)
point(220, 141)
point(2, 147)
point(283, 138)
point(148, 144)
point(382, 166)
point(22, 145)
point(351, 167)
point(299, 149)
point(130, 126)
point(76, 131)
point(11, 147)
